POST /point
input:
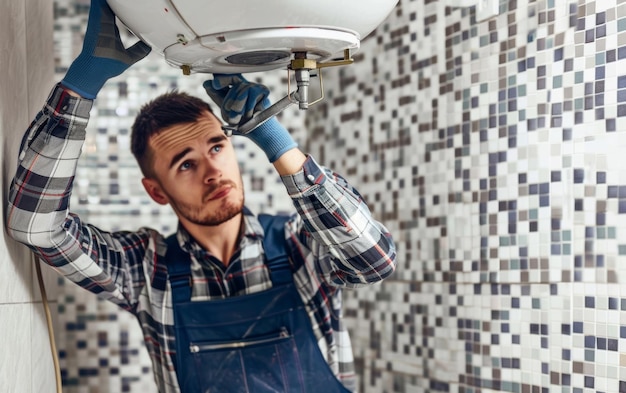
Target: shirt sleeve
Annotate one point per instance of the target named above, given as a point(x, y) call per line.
point(108, 264)
point(349, 247)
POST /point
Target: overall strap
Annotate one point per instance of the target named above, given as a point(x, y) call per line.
point(178, 264)
point(275, 245)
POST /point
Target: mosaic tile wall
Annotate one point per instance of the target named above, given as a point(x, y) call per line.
point(491, 149)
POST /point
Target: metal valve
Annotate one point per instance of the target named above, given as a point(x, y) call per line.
point(302, 68)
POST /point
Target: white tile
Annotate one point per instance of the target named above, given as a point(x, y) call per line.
point(13, 119)
point(42, 356)
point(50, 281)
point(16, 359)
point(21, 367)
point(13, 97)
point(16, 271)
point(39, 52)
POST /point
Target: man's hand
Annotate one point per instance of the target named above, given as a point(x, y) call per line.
point(103, 55)
point(239, 100)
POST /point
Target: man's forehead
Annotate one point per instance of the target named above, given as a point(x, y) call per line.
point(173, 137)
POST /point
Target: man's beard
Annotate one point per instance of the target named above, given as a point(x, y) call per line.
point(224, 212)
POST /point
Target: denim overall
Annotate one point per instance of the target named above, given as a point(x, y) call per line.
point(256, 343)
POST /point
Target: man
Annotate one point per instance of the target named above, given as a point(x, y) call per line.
point(221, 307)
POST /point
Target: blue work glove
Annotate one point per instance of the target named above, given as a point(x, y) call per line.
point(103, 55)
point(239, 100)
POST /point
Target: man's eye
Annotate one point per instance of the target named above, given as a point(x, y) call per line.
point(217, 148)
point(185, 166)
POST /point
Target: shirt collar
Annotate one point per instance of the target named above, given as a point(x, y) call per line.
point(251, 230)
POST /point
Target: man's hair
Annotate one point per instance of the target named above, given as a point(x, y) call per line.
point(168, 109)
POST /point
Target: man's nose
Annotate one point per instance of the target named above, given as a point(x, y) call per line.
point(211, 171)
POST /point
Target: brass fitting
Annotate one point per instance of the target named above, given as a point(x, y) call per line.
point(303, 64)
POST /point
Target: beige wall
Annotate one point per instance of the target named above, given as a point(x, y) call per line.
point(26, 61)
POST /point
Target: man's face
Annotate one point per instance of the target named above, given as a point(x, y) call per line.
point(196, 172)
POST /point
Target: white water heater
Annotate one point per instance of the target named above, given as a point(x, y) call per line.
point(239, 36)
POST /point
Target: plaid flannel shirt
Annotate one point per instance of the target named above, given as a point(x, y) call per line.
point(333, 239)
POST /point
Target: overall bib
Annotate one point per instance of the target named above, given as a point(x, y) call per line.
point(257, 343)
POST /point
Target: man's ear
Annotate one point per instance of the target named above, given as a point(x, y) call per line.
point(153, 188)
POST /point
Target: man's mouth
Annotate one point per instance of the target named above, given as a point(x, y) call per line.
point(221, 192)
